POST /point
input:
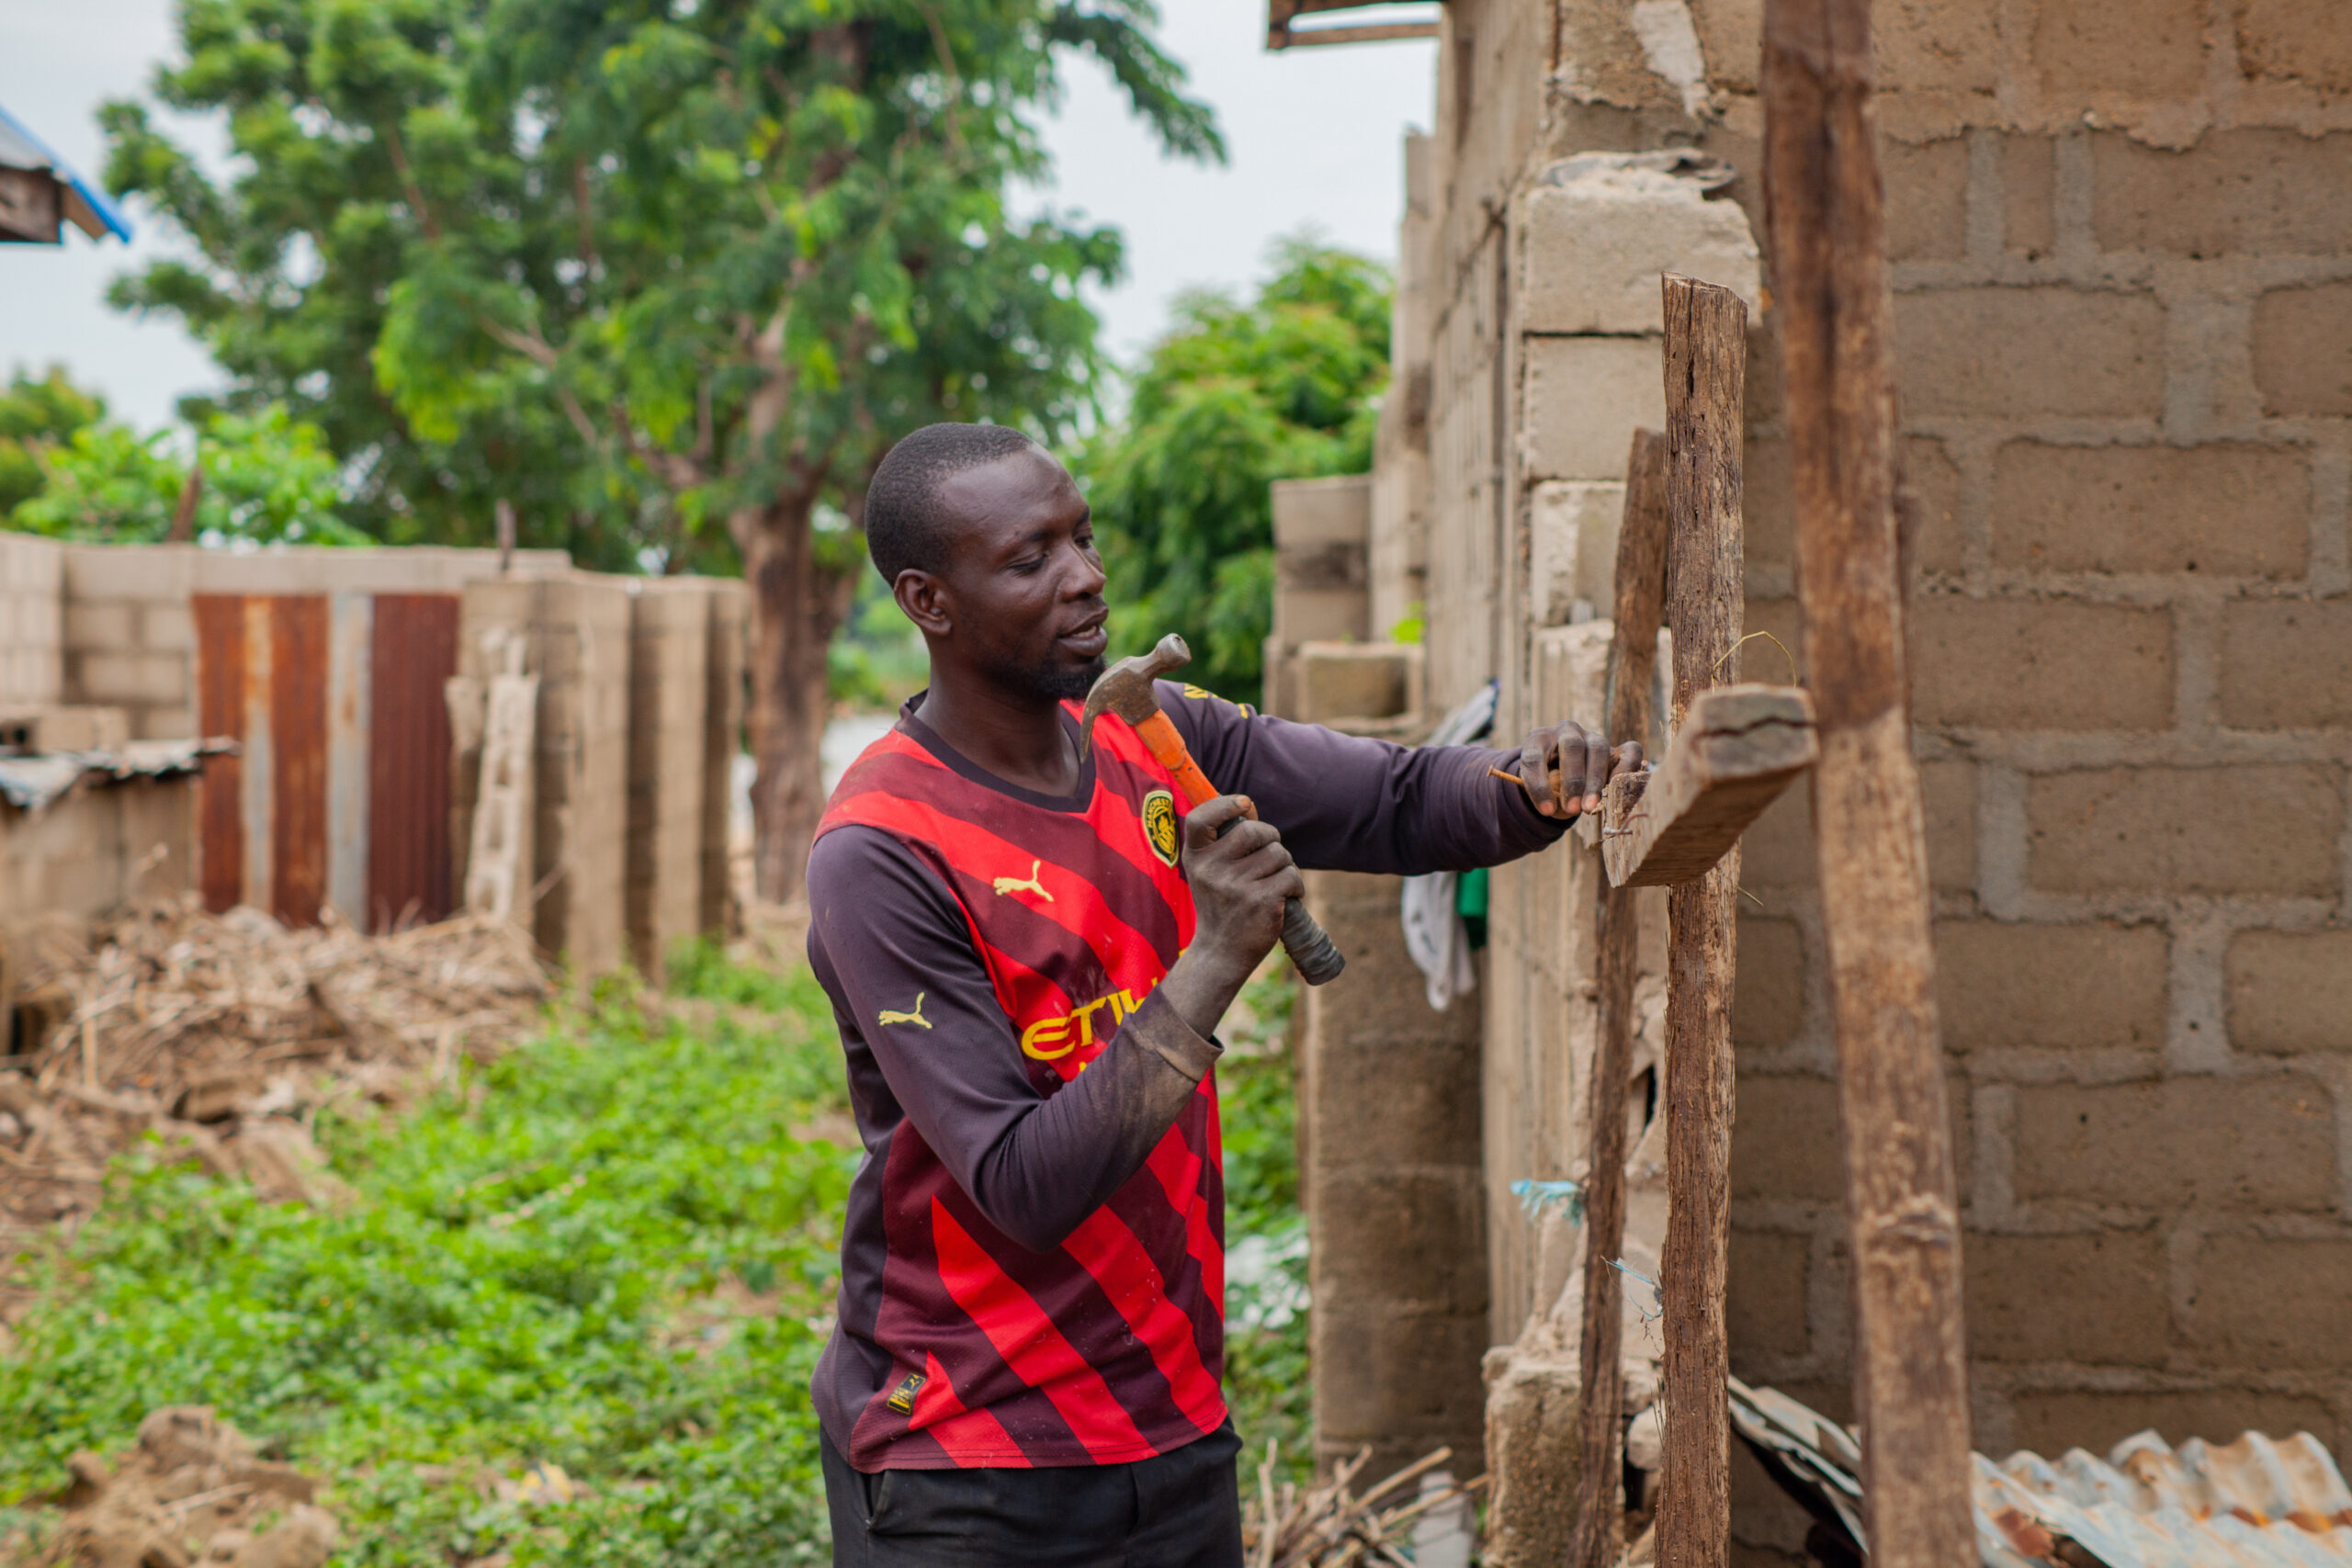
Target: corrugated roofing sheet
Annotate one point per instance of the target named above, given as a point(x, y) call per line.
point(2256, 1502)
point(30, 784)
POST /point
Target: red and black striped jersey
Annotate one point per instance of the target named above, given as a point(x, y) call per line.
point(1032, 1259)
point(1106, 1346)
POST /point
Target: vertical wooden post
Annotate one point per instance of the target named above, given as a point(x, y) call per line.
point(1826, 233)
point(1632, 664)
point(1706, 357)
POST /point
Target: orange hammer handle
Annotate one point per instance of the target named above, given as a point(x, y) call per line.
point(1168, 748)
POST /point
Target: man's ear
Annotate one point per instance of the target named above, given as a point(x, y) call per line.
point(924, 600)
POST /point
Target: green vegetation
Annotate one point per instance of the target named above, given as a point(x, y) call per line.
point(267, 479)
point(609, 1251)
point(1238, 395)
point(36, 416)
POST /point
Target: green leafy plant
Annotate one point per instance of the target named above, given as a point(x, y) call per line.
point(267, 479)
point(37, 416)
point(1236, 395)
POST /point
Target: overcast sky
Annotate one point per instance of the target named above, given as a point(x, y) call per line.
point(1315, 136)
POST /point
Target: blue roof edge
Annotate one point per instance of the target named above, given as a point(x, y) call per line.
point(101, 205)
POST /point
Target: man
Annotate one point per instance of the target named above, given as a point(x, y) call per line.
point(1028, 953)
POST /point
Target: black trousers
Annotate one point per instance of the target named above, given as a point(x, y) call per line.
point(1180, 1510)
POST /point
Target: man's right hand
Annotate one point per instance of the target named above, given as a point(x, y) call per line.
point(1241, 878)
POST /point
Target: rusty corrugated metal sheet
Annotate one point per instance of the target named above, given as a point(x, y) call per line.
point(2256, 1502)
point(220, 710)
point(298, 724)
point(409, 857)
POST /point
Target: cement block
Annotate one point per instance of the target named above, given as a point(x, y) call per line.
point(2004, 984)
point(2097, 1298)
point(2303, 349)
point(1322, 615)
point(130, 571)
point(1593, 244)
point(1581, 400)
point(2260, 1143)
point(2286, 664)
point(110, 626)
point(1322, 511)
point(2291, 991)
point(1338, 681)
point(2229, 509)
point(2300, 42)
point(2040, 665)
point(2251, 829)
point(1572, 549)
point(2006, 353)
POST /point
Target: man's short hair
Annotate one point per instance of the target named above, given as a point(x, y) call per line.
point(906, 523)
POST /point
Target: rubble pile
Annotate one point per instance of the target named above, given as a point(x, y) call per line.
point(192, 1490)
point(226, 1034)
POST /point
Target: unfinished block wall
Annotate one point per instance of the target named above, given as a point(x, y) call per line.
point(2121, 239)
point(669, 692)
point(32, 667)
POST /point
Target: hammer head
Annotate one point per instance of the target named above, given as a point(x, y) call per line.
point(1125, 688)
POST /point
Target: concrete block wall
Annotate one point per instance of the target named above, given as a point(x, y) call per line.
point(2122, 248)
point(32, 670)
point(669, 691)
point(578, 633)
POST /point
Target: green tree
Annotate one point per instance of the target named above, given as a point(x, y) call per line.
point(265, 478)
point(669, 275)
point(1234, 397)
point(35, 416)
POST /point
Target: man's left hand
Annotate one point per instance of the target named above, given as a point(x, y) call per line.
point(1567, 767)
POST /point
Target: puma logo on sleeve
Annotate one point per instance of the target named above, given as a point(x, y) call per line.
point(914, 1016)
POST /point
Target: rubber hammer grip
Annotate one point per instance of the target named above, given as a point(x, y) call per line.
point(1310, 948)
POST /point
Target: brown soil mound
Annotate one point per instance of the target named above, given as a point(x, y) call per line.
point(192, 1490)
point(225, 1034)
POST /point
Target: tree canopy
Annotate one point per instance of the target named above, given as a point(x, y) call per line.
point(1238, 395)
point(558, 253)
point(266, 479)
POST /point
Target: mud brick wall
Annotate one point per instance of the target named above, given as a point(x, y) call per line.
point(2121, 239)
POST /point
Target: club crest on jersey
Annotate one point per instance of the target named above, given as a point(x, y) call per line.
point(1160, 824)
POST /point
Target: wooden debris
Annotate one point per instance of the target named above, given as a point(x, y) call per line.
point(1329, 1526)
point(224, 1033)
point(1738, 747)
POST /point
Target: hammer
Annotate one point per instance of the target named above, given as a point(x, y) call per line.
point(1125, 689)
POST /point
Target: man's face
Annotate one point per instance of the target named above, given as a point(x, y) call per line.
point(1023, 581)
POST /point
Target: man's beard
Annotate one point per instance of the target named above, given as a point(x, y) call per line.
point(1060, 683)
point(1055, 682)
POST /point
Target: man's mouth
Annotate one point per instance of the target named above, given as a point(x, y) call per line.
point(1089, 638)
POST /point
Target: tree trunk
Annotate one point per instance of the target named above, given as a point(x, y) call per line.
point(798, 602)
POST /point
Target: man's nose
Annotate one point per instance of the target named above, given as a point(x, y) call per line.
point(1086, 581)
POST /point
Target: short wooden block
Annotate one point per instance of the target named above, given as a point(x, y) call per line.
point(1738, 748)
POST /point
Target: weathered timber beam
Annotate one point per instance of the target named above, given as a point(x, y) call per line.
point(1738, 747)
point(1642, 534)
point(1827, 233)
point(1706, 359)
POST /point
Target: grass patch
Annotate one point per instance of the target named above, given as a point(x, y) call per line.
point(607, 1251)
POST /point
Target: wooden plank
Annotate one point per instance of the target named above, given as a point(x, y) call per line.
point(1706, 357)
point(1738, 747)
point(499, 861)
point(221, 713)
point(351, 632)
point(1826, 237)
point(1632, 664)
